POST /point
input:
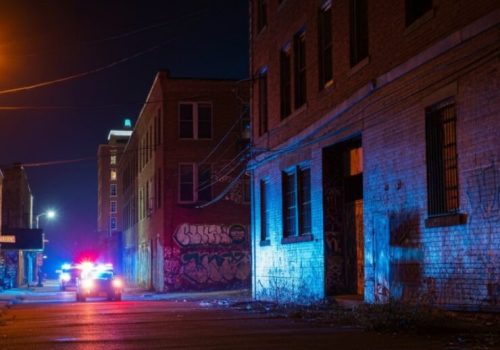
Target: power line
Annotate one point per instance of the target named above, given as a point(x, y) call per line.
point(312, 138)
point(87, 73)
point(224, 192)
point(115, 36)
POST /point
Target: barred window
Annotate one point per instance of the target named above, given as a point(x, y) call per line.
point(442, 169)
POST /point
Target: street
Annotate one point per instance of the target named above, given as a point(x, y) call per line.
point(48, 319)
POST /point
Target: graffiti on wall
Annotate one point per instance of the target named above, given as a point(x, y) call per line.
point(207, 257)
point(199, 234)
point(206, 268)
point(404, 229)
point(405, 253)
point(334, 240)
point(483, 192)
point(8, 269)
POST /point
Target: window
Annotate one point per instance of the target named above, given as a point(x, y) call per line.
point(113, 207)
point(204, 182)
point(325, 45)
point(359, 31)
point(191, 174)
point(261, 14)
point(113, 175)
point(285, 82)
point(246, 188)
point(195, 120)
point(304, 184)
point(112, 190)
point(112, 223)
point(157, 129)
point(158, 189)
point(112, 159)
point(245, 127)
point(414, 9)
point(264, 211)
point(297, 202)
point(299, 73)
point(263, 102)
point(442, 170)
point(186, 183)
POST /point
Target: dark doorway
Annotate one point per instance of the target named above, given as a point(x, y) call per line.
point(343, 217)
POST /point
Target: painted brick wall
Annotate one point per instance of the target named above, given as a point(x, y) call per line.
point(292, 271)
point(454, 266)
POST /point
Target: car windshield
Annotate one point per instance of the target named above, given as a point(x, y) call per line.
point(104, 275)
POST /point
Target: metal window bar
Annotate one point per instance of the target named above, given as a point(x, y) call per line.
point(442, 170)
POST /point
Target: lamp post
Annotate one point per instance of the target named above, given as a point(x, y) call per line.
point(49, 214)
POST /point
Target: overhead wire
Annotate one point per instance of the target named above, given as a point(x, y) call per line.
point(86, 73)
point(114, 37)
point(310, 139)
point(95, 70)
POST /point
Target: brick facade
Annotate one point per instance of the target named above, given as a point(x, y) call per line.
point(450, 52)
point(109, 219)
point(176, 244)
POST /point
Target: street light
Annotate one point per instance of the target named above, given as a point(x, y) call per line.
point(49, 214)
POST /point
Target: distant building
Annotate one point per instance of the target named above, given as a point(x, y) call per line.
point(1, 193)
point(17, 212)
point(108, 216)
point(182, 187)
point(377, 162)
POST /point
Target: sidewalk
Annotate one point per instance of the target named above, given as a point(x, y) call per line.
point(51, 288)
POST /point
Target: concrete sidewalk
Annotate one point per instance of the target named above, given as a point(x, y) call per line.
point(50, 288)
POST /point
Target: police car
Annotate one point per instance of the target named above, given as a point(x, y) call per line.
point(99, 281)
point(68, 274)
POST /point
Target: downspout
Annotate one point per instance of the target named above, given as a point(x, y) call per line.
point(252, 177)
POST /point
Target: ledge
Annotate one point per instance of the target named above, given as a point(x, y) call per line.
point(360, 65)
point(426, 17)
point(297, 239)
point(265, 243)
point(446, 220)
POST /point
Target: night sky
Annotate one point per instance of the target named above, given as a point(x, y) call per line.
point(114, 49)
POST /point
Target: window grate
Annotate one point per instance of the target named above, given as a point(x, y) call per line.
point(442, 161)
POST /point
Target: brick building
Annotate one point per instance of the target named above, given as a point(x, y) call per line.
point(376, 166)
point(17, 212)
point(108, 215)
point(185, 211)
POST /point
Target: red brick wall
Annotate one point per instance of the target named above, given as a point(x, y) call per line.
point(455, 266)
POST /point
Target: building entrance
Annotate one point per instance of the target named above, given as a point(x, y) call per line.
point(343, 217)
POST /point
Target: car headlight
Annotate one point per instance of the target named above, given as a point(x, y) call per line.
point(87, 284)
point(65, 277)
point(117, 283)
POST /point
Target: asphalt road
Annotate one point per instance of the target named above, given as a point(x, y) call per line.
point(55, 321)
